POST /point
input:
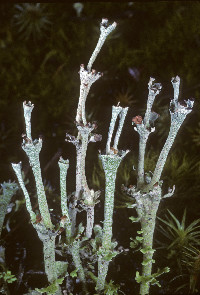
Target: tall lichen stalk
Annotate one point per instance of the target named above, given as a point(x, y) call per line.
point(148, 192)
point(87, 78)
point(110, 161)
point(41, 223)
point(87, 197)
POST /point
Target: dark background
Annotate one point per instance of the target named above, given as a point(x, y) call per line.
point(41, 49)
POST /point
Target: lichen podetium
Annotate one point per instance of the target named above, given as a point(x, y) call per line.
point(148, 193)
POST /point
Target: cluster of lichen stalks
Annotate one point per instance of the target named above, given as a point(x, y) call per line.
point(147, 193)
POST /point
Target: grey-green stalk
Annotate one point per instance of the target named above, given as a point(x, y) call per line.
point(110, 162)
point(148, 194)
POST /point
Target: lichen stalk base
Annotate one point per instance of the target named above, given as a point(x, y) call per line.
point(102, 273)
point(150, 204)
point(147, 226)
point(48, 240)
point(75, 251)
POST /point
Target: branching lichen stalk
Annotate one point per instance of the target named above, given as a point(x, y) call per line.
point(43, 226)
point(148, 195)
point(87, 79)
point(89, 76)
